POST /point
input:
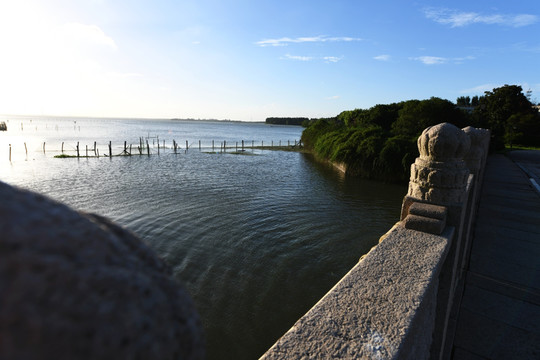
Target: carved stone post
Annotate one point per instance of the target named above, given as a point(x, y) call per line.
point(477, 153)
point(439, 176)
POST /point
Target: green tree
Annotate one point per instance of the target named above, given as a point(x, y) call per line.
point(496, 108)
point(523, 129)
point(463, 101)
point(384, 115)
point(417, 115)
point(352, 118)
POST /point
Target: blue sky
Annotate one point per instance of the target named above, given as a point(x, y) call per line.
point(248, 60)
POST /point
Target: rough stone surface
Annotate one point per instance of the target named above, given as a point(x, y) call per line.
point(76, 286)
point(440, 175)
point(443, 142)
point(425, 224)
point(382, 309)
point(428, 210)
point(477, 153)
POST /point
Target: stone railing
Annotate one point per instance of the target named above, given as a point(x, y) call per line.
point(396, 303)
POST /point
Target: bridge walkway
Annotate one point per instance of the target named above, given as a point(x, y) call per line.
point(499, 314)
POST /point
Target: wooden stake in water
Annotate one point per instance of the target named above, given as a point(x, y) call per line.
point(242, 145)
point(147, 148)
point(95, 148)
point(199, 145)
point(212, 145)
point(62, 147)
point(110, 148)
point(187, 145)
point(77, 149)
point(86, 150)
point(44, 148)
point(26, 149)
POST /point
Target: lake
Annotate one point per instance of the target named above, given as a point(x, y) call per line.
point(256, 238)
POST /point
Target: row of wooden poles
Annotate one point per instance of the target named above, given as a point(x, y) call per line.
point(142, 148)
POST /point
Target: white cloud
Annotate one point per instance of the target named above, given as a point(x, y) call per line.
point(456, 18)
point(436, 60)
point(383, 57)
point(326, 59)
point(480, 89)
point(296, 57)
point(335, 97)
point(284, 41)
point(525, 46)
point(332, 59)
point(461, 60)
point(431, 60)
point(90, 33)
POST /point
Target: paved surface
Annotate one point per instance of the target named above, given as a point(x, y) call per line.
point(499, 317)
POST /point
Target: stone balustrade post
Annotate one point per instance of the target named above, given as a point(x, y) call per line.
point(446, 175)
point(476, 156)
point(439, 175)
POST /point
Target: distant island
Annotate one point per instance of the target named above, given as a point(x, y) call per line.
point(297, 121)
point(206, 120)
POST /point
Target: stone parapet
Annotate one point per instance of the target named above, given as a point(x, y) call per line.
point(382, 309)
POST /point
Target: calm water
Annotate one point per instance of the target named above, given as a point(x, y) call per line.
point(257, 239)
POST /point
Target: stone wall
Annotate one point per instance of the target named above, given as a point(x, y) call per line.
point(396, 302)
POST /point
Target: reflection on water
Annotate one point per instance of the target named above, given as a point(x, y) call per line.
point(257, 240)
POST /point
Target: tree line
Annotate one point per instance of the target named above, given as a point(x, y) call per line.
point(287, 120)
point(380, 142)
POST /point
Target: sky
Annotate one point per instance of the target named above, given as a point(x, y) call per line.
point(249, 60)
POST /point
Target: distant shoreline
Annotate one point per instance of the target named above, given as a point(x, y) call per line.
point(66, 117)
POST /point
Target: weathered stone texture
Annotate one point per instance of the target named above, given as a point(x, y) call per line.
point(382, 309)
point(428, 210)
point(425, 224)
point(477, 153)
point(440, 175)
point(76, 286)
